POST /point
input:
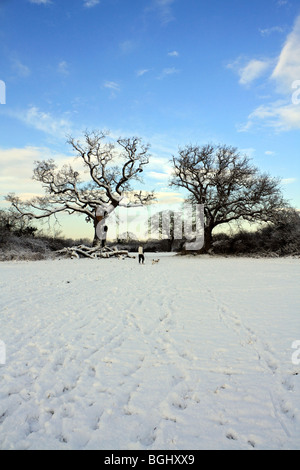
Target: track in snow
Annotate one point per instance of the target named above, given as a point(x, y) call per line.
point(185, 354)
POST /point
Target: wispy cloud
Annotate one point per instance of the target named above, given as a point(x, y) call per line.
point(158, 175)
point(17, 167)
point(282, 114)
point(41, 2)
point(273, 29)
point(20, 69)
point(91, 3)
point(287, 69)
point(160, 169)
point(114, 88)
point(63, 68)
point(251, 70)
point(169, 198)
point(167, 72)
point(286, 181)
point(126, 47)
point(164, 9)
point(43, 121)
point(142, 72)
point(173, 54)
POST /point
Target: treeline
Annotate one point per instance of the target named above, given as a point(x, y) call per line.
point(21, 241)
point(279, 239)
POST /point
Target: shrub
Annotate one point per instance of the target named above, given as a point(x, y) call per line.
point(282, 238)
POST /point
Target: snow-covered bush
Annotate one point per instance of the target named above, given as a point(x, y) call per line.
point(278, 239)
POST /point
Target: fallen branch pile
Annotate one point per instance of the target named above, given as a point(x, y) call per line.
point(83, 251)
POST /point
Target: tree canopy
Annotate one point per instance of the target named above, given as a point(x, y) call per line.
point(227, 184)
point(111, 167)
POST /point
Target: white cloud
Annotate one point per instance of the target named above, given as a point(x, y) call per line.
point(160, 169)
point(40, 2)
point(63, 68)
point(281, 116)
point(17, 166)
point(164, 8)
point(127, 47)
point(167, 72)
point(273, 29)
point(250, 151)
point(169, 198)
point(114, 87)
point(253, 70)
point(250, 70)
point(42, 121)
point(91, 3)
point(21, 69)
point(142, 72)
point(158, 176)
point(173, 54)
point(287, 69)
point(286, 181)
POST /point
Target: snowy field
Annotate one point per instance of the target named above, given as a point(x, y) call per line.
point(190, 353)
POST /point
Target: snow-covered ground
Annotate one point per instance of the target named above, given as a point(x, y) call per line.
point(190, 353)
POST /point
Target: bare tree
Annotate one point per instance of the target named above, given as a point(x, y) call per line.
point(111, 167)
point(229, 186)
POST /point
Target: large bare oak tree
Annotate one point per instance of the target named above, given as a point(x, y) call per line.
point(229, 186)
point(111, 166)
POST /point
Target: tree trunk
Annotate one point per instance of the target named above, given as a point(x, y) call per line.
point(96, 240)
point(207, 239)
point(171, 242)
point(99, 240)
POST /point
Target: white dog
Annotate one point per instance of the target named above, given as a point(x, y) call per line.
point(155, 261)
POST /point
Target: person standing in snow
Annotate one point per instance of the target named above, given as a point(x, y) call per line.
point(141, 255)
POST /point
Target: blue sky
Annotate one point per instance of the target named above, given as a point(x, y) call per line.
point(173, 72)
